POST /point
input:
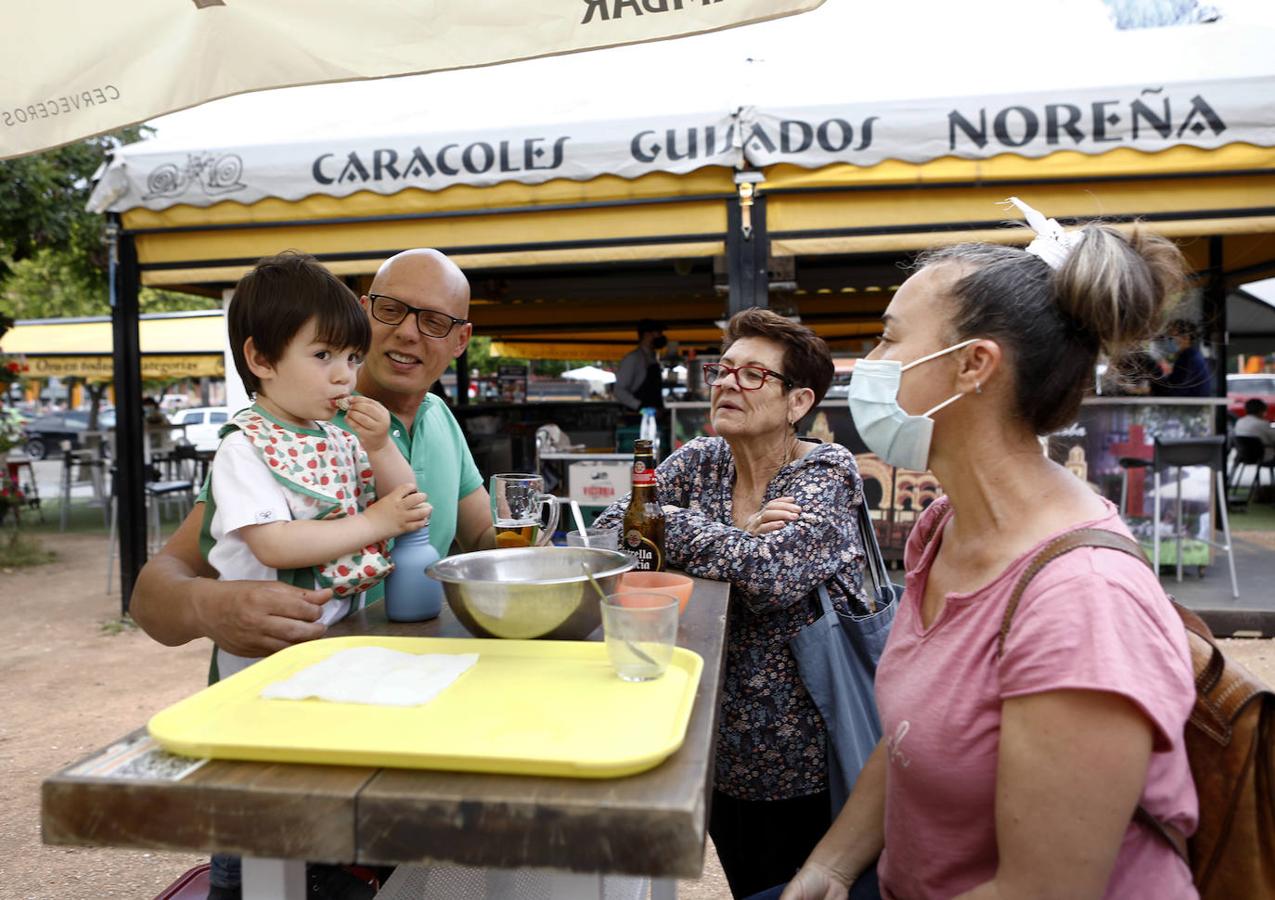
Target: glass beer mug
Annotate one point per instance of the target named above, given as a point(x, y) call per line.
point(524, 515)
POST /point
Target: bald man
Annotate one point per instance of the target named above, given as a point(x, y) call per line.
point(418, 306)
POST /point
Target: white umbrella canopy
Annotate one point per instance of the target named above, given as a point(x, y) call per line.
point(582, 115)
point(591, 374)
point(74, 68)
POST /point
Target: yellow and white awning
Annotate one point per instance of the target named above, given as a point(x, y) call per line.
point(174, 346)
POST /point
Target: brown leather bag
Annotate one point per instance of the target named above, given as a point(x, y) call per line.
point(1230, 742)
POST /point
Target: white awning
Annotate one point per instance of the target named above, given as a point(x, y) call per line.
point(796, 91)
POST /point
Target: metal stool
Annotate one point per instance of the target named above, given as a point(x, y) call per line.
point(157, 492)
point(1177, 454)
point(88, 461)
point(1127, 464)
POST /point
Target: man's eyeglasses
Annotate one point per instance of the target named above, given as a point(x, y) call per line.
point(430, 322)
point(749, 378)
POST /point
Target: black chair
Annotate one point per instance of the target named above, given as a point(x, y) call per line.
point(1179, 454)
point(1250, 451)
point(184, 463)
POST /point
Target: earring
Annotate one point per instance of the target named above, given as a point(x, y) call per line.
point(978, 388)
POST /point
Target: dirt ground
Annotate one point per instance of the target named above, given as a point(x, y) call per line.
point(72, 680)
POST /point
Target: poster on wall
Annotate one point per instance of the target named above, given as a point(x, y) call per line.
point(512, 381)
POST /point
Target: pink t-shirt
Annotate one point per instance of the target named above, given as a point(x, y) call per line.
point(1092, 619)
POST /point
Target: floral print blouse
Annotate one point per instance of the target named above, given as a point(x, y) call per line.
point(770, 737)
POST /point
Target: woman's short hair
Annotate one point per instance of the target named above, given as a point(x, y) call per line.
point(807, 360)
point(1110, 295)
point(272, 303)
point(1183, 328)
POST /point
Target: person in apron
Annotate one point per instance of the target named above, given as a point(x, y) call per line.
point(639, 382)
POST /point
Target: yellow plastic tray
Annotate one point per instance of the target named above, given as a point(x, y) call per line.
point(525, 708)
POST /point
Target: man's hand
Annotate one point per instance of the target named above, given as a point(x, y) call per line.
point(814, 882)
point(773, 516)
point(402, 510)
point(370, 422)
point(256, 618)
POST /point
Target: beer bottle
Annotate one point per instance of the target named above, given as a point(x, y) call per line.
point(644, 520)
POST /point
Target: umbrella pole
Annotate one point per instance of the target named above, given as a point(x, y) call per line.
point(129, 482)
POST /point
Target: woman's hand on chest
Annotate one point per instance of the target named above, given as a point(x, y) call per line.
point(756, 518)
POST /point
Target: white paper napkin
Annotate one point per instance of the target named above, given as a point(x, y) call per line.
point(374, 675)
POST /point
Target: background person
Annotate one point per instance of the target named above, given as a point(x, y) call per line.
point(1254, 424)
point(1189, 375)
point(774, 516)
point(639, 382)
point(177, 597)
point(1016, 774)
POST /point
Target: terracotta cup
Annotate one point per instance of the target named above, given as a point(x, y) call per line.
point(679, 586)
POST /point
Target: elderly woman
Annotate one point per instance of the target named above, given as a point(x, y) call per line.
point(1013, 762)
point(773, 515)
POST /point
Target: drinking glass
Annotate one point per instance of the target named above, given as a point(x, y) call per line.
point(599, 538)
point(524, 515)
point(640, 628)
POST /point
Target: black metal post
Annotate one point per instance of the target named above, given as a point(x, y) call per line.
point(747, 255)
point(129, 483)
point(462, 378)
point(1216, 325)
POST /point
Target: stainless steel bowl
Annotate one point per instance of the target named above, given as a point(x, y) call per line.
point(530, 592)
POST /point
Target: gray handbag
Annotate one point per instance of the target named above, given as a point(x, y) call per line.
point(837, 657)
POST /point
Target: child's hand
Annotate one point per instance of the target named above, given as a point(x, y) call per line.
point(402, 510)
point(369, 420)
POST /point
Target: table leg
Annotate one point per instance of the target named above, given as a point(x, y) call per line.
point(574, 886)
point(273, 879)
point(413, 882)
point(663, 889)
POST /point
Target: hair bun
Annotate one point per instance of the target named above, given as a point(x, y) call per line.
point(1119, 288)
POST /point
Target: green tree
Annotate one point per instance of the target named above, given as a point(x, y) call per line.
point(53, 258)
point(42, 200)
point(52, 284)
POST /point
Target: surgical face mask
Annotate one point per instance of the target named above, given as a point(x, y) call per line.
point(900, 439)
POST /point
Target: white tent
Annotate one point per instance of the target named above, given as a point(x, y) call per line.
point(801, 91)
point(591, 374)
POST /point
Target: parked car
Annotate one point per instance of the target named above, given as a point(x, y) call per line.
point(202, 425)
point(1242, 388)
point(44, 434)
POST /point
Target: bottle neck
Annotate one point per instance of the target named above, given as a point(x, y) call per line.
point(643, 472)
point(420, 536)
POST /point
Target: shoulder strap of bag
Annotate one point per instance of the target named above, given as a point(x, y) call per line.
point(883, 592)
point(1063, 544)
point(1059, 546)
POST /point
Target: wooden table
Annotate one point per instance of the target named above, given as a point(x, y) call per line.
point(278, 815)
